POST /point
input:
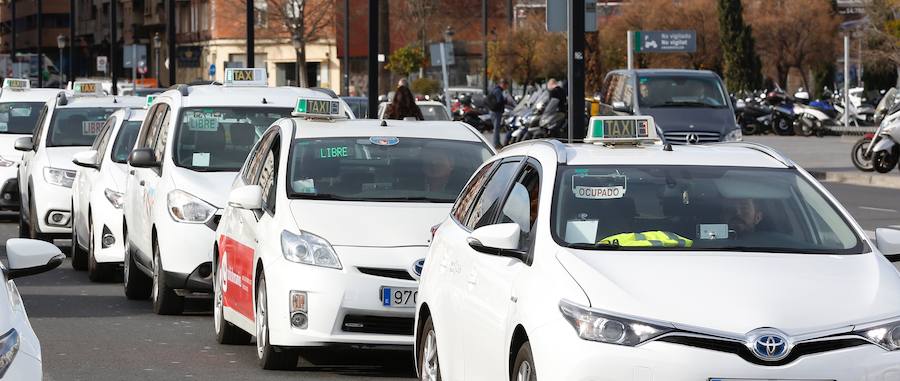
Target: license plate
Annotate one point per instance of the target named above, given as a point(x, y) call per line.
point(399, 297)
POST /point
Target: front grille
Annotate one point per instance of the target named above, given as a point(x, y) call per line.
point(800, 350)
point(387, 273)
point(681, 137)
point(378, 324)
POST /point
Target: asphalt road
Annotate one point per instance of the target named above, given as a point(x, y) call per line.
point(91, 332)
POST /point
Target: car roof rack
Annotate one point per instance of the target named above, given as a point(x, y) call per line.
point(764, 149)
point(562, 155)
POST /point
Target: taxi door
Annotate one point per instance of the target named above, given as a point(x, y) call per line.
point(27, 156)
point(141, 187)
point(84, 182)
point(240, 241)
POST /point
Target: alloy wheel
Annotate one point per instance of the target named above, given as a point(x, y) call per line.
point(430, 358)
point(262, 328)
point(524, 373)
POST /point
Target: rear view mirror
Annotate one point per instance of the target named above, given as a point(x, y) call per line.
point(619, 106)
point(247, 197)
point(888, 243)
point(29, 257)
point(143, 158)
point(24, 144)
point(500, 239)
point(87, 159)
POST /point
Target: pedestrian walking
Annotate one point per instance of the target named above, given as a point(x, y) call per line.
point(496, 102)
point(403, 106)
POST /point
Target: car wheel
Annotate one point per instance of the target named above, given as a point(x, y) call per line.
point(137, 284)
point(97, 272)
point(79, 255)
point(429, 364)
point(523, 368)
point(226, 333)
point(33, 232)
point(269, 356)
point(165, 301)
point(783, 126)
point(858, 155)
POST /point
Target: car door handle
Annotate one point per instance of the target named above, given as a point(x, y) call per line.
point(131, 172)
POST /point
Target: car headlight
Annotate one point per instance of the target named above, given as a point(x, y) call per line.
point(9, 347)
point(734, 136)
point(885, 335)
point(187, 208)
point(308, 249)
point(608, 328)
point(117, 199)
point(6, 163)
point(58, 176)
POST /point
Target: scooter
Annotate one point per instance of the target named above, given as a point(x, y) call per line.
point(809, 120)
point(882, 151)
point(782, 112)
point(754, 115)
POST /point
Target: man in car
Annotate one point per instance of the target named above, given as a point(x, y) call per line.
point(743, 216)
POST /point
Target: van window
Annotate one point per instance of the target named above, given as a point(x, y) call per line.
point(681, 91)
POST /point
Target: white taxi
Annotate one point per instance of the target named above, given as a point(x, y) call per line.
point(98, 195)
point(20, 106)
point(327, 226)
point(623, 261)
point(191, 144)
point(66, 126)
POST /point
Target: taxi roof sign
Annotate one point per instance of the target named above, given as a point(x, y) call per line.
point(236, 77)
point(16, 83)
point(621, 130)
point(87, 88)
point(318, 108)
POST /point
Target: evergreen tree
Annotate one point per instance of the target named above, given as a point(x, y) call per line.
point(742, 65)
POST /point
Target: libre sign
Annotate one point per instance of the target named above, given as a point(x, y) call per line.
point(665, 41)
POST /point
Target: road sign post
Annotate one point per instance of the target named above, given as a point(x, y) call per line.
point(630, 50)
point(576, 27)
point(665, 41)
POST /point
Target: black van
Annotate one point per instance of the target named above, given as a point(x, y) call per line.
point(689, 106)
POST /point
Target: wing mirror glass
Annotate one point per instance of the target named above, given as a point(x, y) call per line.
point(888, 243)
point(24, 144)
point(247, 197)
point(620, 106)
point(500, 239)
point(143, 158)
point(87, 159)
point(30, 257)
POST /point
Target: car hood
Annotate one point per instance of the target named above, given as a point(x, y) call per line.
point(718, 120)
point(739, 292)
point(61, 157)
point(211, 187)
point(7, 144)
point(369, 224)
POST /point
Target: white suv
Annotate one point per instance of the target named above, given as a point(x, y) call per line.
point(66, 126)
point(191, 144)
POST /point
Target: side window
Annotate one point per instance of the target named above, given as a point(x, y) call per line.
point(488, 202)
point(628, 91)
point(619, 88)
point(150, 127)
point(521, 205)
point(256, 159)
point(104, 134)
point(39, 128)
point(268, 176)
point(162, 134)
point(469, 192)
point(608, 85)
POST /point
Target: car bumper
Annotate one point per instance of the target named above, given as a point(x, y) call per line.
point(107, 226)
point(560, 355)
point(186, 254)
point(50, 200)
point(343, 306)
point(24, 367)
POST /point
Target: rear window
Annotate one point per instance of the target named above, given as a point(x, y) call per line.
point(19, 117)
point(430, 112)
point(76, 126)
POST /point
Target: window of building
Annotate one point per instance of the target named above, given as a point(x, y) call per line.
point(261, 13)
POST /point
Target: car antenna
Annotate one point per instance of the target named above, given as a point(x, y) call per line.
point(667, 147)
point(264, 101)
point(383, 123)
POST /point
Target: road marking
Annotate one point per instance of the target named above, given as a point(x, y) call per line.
point(878, 209)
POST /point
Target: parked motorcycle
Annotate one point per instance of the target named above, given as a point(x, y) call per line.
point(782, 112)
point(812, 117)
point(754, 115)
point(880, 151)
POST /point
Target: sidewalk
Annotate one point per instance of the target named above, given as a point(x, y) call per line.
point(828, 159)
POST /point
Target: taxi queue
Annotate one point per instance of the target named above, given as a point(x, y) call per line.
point(562, 261)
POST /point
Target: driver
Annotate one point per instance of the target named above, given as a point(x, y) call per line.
point(437, 165)
point(743, 216)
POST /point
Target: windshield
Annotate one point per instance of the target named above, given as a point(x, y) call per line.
point(76, 126)
point(220, 138)
point(19, 117)
point(431, 112)
point(382, 168)
point(701, 208)
point(125, 140)
point(685, 91)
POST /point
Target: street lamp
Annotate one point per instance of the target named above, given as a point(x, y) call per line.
point(298, 44)
point(157, 44)
point(448, 38)
point(61, 42)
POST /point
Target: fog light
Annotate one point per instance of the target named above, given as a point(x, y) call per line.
point(108, 240)
point(58, 218)
point(7, 196)
point(299, 320)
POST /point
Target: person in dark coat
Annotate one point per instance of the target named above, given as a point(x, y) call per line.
point(403, 106)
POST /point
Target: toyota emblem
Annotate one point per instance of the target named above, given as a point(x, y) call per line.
point(769, 344)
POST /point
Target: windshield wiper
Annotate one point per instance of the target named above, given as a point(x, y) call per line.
point(686, 104)
point(418, 198)
point(594, 246)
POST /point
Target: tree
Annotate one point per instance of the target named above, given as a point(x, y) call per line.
point(882, 34)
point(405, 60)
point(526, 54)
point(741, 64)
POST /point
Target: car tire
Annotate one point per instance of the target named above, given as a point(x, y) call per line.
point(269, 356)
point(33, 232)
point(858, 155)
point(165, 301)
point(429, 362)
point(136, 283)
point(782, 126)
point(226, 333)
point(79, 254)
point(24, 230)
point(97, 272)
point(523, 368)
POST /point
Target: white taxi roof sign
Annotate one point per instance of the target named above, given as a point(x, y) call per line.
point(87, 88)
point(16, 83)
point(621, 130)
point(318, 108)
point(236, 77)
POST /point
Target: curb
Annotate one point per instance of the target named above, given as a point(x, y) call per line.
point(858, 178)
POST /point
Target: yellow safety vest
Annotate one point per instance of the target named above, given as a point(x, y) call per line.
point(654, 238)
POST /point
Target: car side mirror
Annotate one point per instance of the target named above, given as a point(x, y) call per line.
point(500, 240)
point(620, 106)
point(143, 158)
point(888, 243)
point(247, 197)
point(87, 159)
point(24, 144)
point(30, 257)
